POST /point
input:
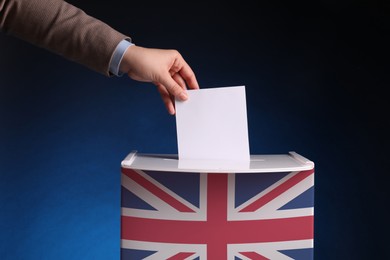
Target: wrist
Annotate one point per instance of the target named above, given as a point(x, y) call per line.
point(128, 58)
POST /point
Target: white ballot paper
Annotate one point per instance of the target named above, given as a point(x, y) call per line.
point(212, 128)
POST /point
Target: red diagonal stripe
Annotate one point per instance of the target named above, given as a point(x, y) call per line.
point(180, 256)
point(277, 191)
point(254, 256)
point(157, 191)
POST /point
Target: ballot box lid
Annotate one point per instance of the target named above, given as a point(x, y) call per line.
point(291, 161)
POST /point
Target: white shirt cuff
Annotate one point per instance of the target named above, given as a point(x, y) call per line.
point(118, 56)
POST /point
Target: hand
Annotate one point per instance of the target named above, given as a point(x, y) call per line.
point(165, 68)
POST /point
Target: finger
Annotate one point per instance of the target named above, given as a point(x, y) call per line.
point(167, 99)
point(179, 80)
point(173, 87)
point(189, 76)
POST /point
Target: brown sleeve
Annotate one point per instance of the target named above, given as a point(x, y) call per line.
point(63, 29)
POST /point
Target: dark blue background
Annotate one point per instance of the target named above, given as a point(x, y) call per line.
point(315, 76)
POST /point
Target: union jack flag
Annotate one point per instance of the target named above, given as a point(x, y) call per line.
point(216, 216)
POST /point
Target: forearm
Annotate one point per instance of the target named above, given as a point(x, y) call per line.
point(61, 28)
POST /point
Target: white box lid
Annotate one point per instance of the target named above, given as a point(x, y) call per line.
point(258, 163)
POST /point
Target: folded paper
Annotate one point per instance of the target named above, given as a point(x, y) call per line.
point(212, 125)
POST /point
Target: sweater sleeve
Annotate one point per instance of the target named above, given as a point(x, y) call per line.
point(63, 29)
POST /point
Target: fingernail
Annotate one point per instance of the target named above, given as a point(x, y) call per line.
point(171, 111)
point(183, 96)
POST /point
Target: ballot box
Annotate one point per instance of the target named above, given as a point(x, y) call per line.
point(260, 209)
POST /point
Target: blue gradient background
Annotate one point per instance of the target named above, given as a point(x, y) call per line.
point(315, 76)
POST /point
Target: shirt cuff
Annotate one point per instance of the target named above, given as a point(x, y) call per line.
point(118, 56)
